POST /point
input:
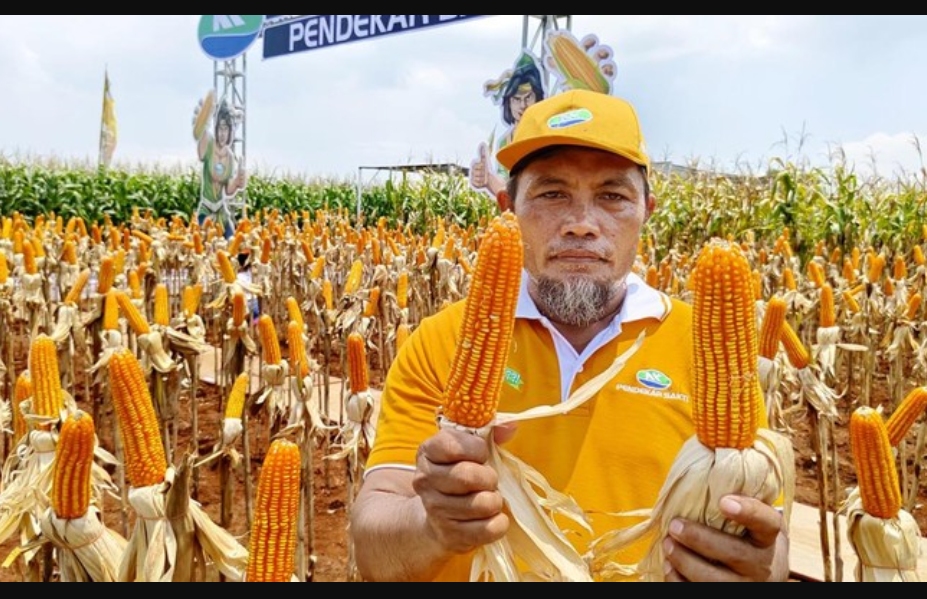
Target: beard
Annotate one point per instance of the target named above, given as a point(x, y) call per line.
point(576, 301)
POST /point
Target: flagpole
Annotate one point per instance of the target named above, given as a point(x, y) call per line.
point(102, 117)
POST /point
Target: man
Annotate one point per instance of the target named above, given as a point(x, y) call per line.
point(578, 185)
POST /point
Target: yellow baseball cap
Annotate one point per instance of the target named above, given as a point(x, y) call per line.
point(578, 118)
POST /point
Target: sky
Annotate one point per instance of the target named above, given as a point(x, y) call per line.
point(722, 90)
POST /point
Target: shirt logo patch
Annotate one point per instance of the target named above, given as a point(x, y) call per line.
point(654, 379)
point(513, 379)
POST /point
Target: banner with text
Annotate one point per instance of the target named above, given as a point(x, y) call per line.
point(312, 32)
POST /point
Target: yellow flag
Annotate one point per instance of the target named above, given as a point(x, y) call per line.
point(107, 126)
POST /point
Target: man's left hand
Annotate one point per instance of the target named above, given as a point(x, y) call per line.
point(695, 552)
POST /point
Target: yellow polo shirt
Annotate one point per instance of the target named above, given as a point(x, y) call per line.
point(611, 454)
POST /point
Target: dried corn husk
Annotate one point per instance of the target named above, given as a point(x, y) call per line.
point(887, 549)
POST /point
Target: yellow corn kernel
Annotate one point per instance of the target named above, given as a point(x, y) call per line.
point(816, 274)
point(835, 256)
point(77, 290)
point(135, 285)
point(144, 253)
point(162, 306)
point(377, 254)
point(905, 415)
point(292, 308)
point(726, 394)
point(788, 279)
point(855, 256)
point(198, 243)
point(653, 277)
point(327, 295)
point(4, 269)
point(73, 465)
point(269, 340)
point(317, 268)
point(888, 287)
point(38, 247)
point(142, 270)
point(266, 250)
point(772, 328)
point(852, 304)
point(239, 308)
point(235, 245)
point(875, 465)
point(107, 275)
point(914, 304)
point(145, 463)
point(29, 260)
point(111, 311)
point(352, 285)
point(136, 320)
point(402, 334)
point(828, 313)
point(225, 267)
point(477, 371)
point(19, 242)
point(849, 273)
point(393, 247)
point(126, 240)
point(236, 403)
point(7, 231)
point(96, 234)
point(438, 240)
point(298, 359)
point(876, 266)
point(47, 398)
point(272, 549)
point(357, 363)
point(21, 392)
point(402, 290)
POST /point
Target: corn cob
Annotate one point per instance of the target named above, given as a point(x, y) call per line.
point(577, 67)
point(828, 314)
point(96, 234)
point(402, 290)
point(292, 307)
point(900, 269)
point(239, 308)
point(653, 277)
point(298, 359)
point(914, 304)
point(854, 258)
point(77, 290)
point(726, 398)
point(352, 285)
point(327, 295)
point(888, 287)
point(69, 253)
point(235, 246)
point(875, 466)
point(136, 319)
point(377, 253)
point(198, 243)
point(21, 392)
point(849, 273)
point(373, 303)
point(107, 275)
point(272, 548)
point(191, 300)
point(795, 350)
point(162, 307)
point(852, 304)
point(46, 382)
point(225, 267)
point(236, 402)
point(402, 334)
point(119, 262)
point(788, 280)
point(38, 245)
point(919, 258)
point(816, 274)
point(772, 327)
point(135, 285)
point(144, 253)
point(269, 340)
point(7, 231)
point(876, 266)
point(145, 463)
point(111, 311)
point(905, 415)
point(4, 269)
point(29, 260)
point(357, 362)
point(19, 243)
point(472, 392)
point(142, 236)
point(73, 464)
point(317, 268)
point(142, 270)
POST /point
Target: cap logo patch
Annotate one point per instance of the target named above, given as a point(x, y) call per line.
point(569, 118)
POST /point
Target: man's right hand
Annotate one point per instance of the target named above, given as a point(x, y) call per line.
point(463, 506)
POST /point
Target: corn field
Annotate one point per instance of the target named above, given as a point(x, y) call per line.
point(114, 305)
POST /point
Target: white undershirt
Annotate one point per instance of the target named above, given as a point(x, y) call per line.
point(641, 301)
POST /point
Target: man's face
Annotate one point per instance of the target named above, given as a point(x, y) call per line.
point(222, 133)
point(581, 212)
point(520, 102)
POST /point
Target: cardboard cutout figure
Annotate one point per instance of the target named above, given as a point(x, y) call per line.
point(580, 65)
point(514, 91)
point(223, 177)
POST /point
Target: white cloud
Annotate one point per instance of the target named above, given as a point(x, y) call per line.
point(885, 154)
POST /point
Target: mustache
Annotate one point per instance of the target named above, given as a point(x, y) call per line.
point(600, 249)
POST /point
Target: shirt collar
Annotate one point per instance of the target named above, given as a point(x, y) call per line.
point(640, 302)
